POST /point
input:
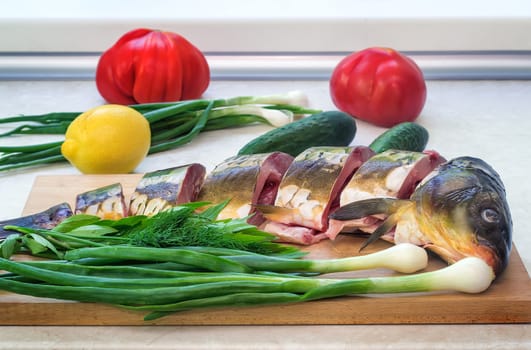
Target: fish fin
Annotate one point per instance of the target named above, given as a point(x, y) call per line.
point(367, 207)
point(385, 227)
point(273, 212)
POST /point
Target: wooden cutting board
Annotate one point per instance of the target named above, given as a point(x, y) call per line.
point(508, 300)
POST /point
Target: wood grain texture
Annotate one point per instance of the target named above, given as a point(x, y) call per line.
point(508, 300)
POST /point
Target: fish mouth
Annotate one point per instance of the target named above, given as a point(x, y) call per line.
point(485, 252)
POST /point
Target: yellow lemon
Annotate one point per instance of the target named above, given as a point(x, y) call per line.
point(108, 139)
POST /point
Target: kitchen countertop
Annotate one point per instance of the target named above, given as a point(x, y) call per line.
point(485, 119)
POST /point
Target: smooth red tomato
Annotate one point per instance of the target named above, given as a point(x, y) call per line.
point(147, 65)
point(379, 85)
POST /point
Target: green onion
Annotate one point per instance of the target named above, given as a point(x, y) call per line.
point(136, 296)
point(145, 278)
point(172, 124)
point(163, 295)
point(178, 255)
point(468, 275)
point(111, 271)
point(232, 300)
point(404, 258)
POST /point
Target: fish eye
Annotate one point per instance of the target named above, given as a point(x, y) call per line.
point(490, 215)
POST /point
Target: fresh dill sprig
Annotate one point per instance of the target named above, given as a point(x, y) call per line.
point(183, 226)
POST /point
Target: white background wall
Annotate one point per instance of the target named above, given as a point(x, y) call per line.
point(270, 26)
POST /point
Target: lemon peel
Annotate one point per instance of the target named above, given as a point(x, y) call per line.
point(108, 139)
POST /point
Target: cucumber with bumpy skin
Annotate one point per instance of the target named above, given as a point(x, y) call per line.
point(406, 136)
point(330, 128)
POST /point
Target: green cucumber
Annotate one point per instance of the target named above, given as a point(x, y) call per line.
point(330, 128)
point(406, 136)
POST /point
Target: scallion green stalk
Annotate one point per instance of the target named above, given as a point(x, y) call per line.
point(468, 275)
point(404, 258)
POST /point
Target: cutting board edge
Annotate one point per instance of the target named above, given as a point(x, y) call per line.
point(46, 314)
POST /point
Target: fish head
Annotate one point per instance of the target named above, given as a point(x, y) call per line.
point(463, 211)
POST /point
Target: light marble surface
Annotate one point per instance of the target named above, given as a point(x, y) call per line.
point(381, 337)
point(485, 119)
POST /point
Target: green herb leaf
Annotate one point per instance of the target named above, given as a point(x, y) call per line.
point(10, 246)
point(212, 212)
point(47, 244)
point(76, 221)
point(88, 231)
point(125, 223)
point(21, 229)
point(34, 246)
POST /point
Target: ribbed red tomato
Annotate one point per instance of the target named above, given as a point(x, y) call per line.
point(379, 85)
point(147, 65)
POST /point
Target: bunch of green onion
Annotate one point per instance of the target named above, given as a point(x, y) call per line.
point(153, 280)
point(172, 124)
